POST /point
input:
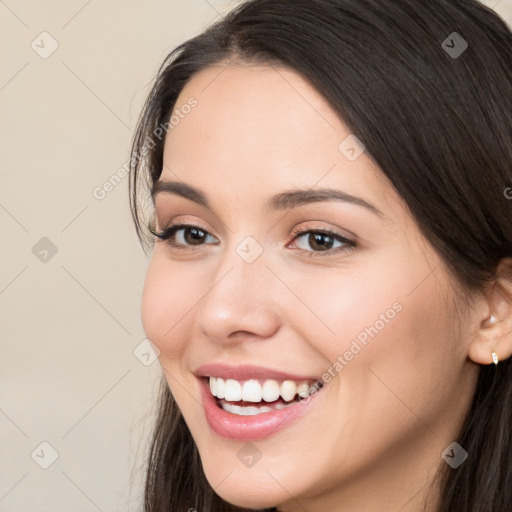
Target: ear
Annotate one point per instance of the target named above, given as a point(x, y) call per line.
point(494, 333)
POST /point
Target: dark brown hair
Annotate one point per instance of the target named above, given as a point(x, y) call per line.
point(438, 124)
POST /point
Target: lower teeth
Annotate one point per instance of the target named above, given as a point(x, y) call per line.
point(252, 410)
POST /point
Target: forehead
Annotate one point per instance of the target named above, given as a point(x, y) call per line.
point(251, 107)
point(257, 124)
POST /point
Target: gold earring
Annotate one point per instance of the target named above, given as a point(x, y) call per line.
point(495, 358)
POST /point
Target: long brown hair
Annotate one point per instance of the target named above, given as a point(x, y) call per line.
point(439, 125)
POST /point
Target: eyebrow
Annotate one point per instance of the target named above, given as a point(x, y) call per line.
point(281, 201)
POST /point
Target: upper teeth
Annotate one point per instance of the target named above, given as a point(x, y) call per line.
point(253, 391)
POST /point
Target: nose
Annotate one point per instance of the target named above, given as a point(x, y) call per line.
point(239, 302)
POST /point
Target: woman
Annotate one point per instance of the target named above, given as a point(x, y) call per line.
point(330, 287)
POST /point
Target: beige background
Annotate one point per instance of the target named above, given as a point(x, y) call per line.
point(74, 374)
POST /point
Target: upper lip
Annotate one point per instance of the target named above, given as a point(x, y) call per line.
point(247, 372)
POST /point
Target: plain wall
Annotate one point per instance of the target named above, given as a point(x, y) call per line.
point(73, 372)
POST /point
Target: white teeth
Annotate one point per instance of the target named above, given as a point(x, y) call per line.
point(288, 390)
point(270, 390)
point(303, 390)
point(241, 411)
point(252, 391)
point(220, 387)
point(232, 391)
point(251, 411)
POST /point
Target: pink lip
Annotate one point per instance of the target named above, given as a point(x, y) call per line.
point(246, 372)
point(247, 428)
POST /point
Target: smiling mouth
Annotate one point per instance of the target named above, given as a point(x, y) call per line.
point(257, 396)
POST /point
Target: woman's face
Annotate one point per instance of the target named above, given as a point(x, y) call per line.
point(360, 300)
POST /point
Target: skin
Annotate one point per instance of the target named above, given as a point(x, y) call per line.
point(373, 439)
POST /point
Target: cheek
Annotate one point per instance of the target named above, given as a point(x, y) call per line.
point(346, 305)
point(403, 365)
point(380, 320)
point(167, 299)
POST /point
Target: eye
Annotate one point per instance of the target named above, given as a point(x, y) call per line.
point(321, 242)
point(181, 235)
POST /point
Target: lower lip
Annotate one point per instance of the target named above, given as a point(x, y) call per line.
point(247, 428)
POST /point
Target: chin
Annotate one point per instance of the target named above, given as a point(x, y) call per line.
point(247, 489)
point(248, 498)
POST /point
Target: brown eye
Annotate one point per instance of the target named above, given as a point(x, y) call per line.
point(320, 241)
point(193, 236)
point(182, 236)
point(315, 242)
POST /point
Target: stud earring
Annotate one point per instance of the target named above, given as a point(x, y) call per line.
point(495, 358)
point(492, 319)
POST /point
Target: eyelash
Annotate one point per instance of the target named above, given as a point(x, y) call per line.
point(168, 233)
